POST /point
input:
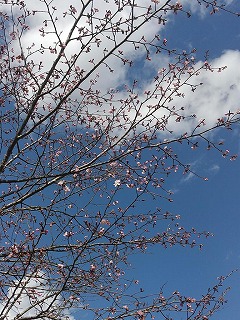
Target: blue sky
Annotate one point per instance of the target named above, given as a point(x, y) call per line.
point(213, 33)
point(211, 205)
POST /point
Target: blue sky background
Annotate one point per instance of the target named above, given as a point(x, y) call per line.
point(211, 205)
point(213, 33)
point(207, 205)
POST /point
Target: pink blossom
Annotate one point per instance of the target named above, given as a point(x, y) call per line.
point(68, 234)
point(66, 188)
point(234, 157)
point(117, 183)
point(225, 153)
point(105, 221)
point(62, 183)
point(92, 268)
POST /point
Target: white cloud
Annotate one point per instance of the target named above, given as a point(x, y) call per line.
point(219, 93)
point(189, 176)
point(30, 297)
point(203, 9)
point(214, 168)
point(209, 171)
point(41, 43)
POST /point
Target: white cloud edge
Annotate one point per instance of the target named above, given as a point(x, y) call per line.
point(20, 296)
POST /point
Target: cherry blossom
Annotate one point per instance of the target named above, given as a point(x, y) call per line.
point(117, 183)
point(87, 149)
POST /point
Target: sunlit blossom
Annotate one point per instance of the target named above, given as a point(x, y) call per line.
point(117, 183)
